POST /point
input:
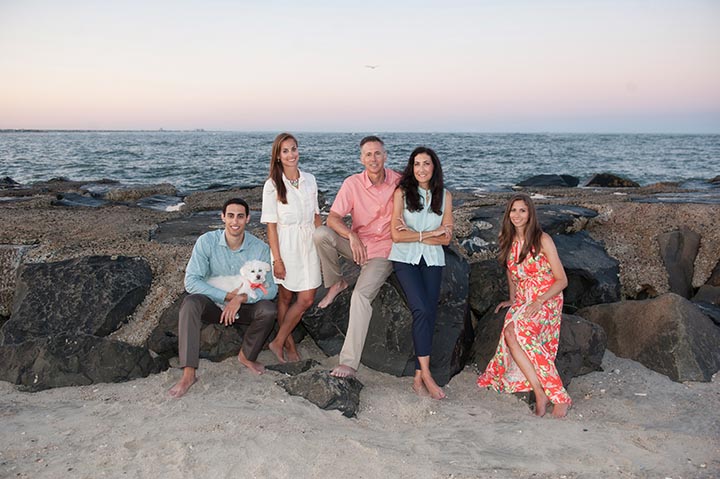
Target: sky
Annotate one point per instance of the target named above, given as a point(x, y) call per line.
point(629, 66)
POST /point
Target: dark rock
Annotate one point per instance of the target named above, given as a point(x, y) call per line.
point(593, 276)
point(715, 181)
point(488, 286)
point(74, 360)
point(550, 181)
point(707, 294)
point(714, 279)
point(77, 200)
point(684, 197)
point(388, 346)
point(90, 295)
point(668, 334)
point(712, 311)
point(554, 219)
point(161, 203)
point(8, 182)
point(134, 193)
point(581, 345)
point(608, 180)
point(10, 260)
point(186, 230)
point(678, 250)
point(294, 368)
point(325, 391)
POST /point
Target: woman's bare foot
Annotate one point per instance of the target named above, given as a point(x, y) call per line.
point(182, 386)
point(277, 351)
point(332, 292)
point(253, 366)
point(560, 410)
point(435, 391)
point(342, 371)
point(419, 387)
point(292, 355)
point(541, 404)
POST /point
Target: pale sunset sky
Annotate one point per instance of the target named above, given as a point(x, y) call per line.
point(477, 66)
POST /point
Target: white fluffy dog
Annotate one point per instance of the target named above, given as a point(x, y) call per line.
point(252, 276)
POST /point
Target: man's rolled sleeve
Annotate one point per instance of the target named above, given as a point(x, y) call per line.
point(198, 269)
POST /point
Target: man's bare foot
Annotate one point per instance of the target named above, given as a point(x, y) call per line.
point(541, 404)
point(277, 351)
point(253, 366)
point(332, 292)
point(342, 371)
point(560, 410)
point(435, 391)
point(183, 385)
point(293, 355)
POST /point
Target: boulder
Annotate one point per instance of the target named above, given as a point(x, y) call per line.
point(581, 345)
point(75, 200)
point(74, 360)
point(91, 295)
point(714, 279)
point(707, 294)
point(488, 286)
point(294, 368)
point(554, 219)
point(10, 260)
point(8, 182)
point(678, 250)
point(712, 311)
point(593, 276)
point(667, 334)
point(608, 180)
point(388, 346)
point(325, 391)
point(217, 342)
point(550, 181)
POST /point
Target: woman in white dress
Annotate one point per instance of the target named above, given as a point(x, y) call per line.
point(290, 210)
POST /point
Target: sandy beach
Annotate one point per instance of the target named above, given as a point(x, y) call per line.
point(627, 422)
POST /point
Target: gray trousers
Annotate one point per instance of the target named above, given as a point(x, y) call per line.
point(372, 276)
point(197, 309)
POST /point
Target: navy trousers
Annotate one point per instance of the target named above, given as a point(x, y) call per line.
point(421, 284)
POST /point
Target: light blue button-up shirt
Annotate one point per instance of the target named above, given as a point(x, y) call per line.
point(423, 220)
point(211, 256)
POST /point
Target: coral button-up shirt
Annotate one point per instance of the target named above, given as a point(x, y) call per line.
point(370, 207)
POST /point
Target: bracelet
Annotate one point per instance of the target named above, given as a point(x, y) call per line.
point(277, 260)
point(421, 236)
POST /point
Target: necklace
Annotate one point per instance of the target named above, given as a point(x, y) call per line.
point(295, 183)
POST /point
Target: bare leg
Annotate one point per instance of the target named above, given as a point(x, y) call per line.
point(418, 384)
point(333, 291)
point(253, 366)
point(560, 410)
point(519, 356)
point(292, 318)
point(435, 391)
point(343, 371)
point(182, 386)
point(283, 305)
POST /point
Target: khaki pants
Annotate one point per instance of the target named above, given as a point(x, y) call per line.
point(372, 276)
point(197, 309)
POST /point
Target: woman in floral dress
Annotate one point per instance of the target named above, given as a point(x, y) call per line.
point(525, 357)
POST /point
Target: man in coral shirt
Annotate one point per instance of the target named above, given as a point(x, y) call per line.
point(368, 198)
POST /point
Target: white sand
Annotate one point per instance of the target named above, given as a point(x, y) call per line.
point(630, 423)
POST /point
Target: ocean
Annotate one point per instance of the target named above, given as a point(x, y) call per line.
point(473, 162)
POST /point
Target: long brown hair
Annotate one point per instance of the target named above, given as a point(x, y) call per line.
point(533, 231)
point(276, 169)
point(409, 184)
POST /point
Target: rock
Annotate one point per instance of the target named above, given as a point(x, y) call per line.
point(325, 391)
point(90, 295)
point(678, 250)
point(667, 334)
point(134, 193)
point(608, 180)
point(161, 203)
point(581, 345)
point(74, 360)
point(488, 286)
point(715, 181)
point(388, 346)
point(707, 294)
point(294, 368)
point(550, 181)
point(714, 279)
point(10, 260)
point(593, 276)
point(186, 230)
point(712, 311)
point(684, 197)
point(76, 200)
point(8, 182)
point(554, 219)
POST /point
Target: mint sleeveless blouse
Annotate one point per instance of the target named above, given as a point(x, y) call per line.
point(423, 220)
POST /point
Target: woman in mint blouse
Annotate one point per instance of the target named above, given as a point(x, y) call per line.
point(421, 224)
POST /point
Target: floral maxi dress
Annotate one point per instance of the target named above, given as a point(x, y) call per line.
point(537, 335)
